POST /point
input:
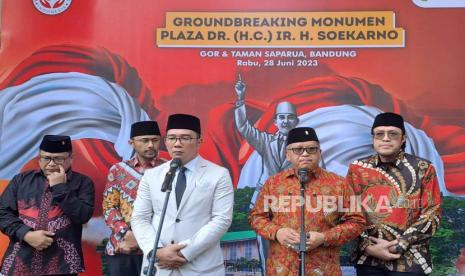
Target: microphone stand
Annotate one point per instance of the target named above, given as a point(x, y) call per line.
point(303, 179)
point(151, 269)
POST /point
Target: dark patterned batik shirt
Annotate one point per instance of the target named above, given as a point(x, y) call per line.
point(410, 190)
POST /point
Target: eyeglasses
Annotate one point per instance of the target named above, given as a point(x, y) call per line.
point(300, 151)
point(393, 135)
point(146, 141)
point(56, 159)
point(182, 139)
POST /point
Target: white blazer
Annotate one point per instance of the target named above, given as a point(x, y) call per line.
point(204, 215)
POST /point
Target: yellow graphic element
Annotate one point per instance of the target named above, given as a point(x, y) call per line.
point(280, 29)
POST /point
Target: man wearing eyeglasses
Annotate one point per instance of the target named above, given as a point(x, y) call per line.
point(199, 210)
point(329, 221)
point(42, 211)
point(403, 204)
point(122, 252)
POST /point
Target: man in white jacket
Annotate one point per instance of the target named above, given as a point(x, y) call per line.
point(199, 209)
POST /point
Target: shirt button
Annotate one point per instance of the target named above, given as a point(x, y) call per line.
point(177, 220)
point(172, 242)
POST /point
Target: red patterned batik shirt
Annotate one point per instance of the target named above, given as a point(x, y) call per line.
point(409, 189)
point(338, 225)
point(119, 195)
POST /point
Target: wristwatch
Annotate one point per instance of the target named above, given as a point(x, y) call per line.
point(150, 256)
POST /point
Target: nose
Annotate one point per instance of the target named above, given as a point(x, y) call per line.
point(177, 143)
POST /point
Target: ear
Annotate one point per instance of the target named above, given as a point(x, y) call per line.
point(288, 155)
point(275, 122)
point(404, 138)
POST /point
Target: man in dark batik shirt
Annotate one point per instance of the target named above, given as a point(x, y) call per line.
point(402, 199)
point(42, 212)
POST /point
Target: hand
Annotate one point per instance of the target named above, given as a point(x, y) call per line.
point(57, 177)
point(393, 249)
point(39, 239)
point(170, 257)
point(287, 236)
point(380, 249)
point(181, 255)
point(128, 244)
point(240, 89)
point(316, 239)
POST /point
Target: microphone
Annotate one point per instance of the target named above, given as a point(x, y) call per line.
point(303, 176)
point(303, 179)
point(174, 165)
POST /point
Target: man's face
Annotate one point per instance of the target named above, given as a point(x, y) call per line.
point(285, 122)
point(183, 144)
point(387, 140)
point(50, 162)
point(146, 146)
point(304, 154)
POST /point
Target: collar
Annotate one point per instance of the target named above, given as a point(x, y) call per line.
point(192, 165)
point(137, 163)
point(315, 173)
point(377, 161)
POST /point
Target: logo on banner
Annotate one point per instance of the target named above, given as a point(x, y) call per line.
point(52, 7)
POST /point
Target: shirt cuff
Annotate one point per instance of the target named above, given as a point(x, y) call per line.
point(21, 232)
point(186, 251)
point(327, 240)
point(364, 244)
point(273, 233)
point(59, 191)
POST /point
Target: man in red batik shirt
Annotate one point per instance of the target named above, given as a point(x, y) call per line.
point(327, 228)
point(123, 254)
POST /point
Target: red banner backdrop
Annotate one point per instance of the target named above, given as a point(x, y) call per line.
point(117, 41)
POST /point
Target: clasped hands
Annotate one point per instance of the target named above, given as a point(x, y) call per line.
point(170, 257)
point(383, 249)
point(128, 244)
point(290, 238)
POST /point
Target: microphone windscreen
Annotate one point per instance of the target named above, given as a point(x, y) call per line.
point(175, 163)
point(303, 175)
